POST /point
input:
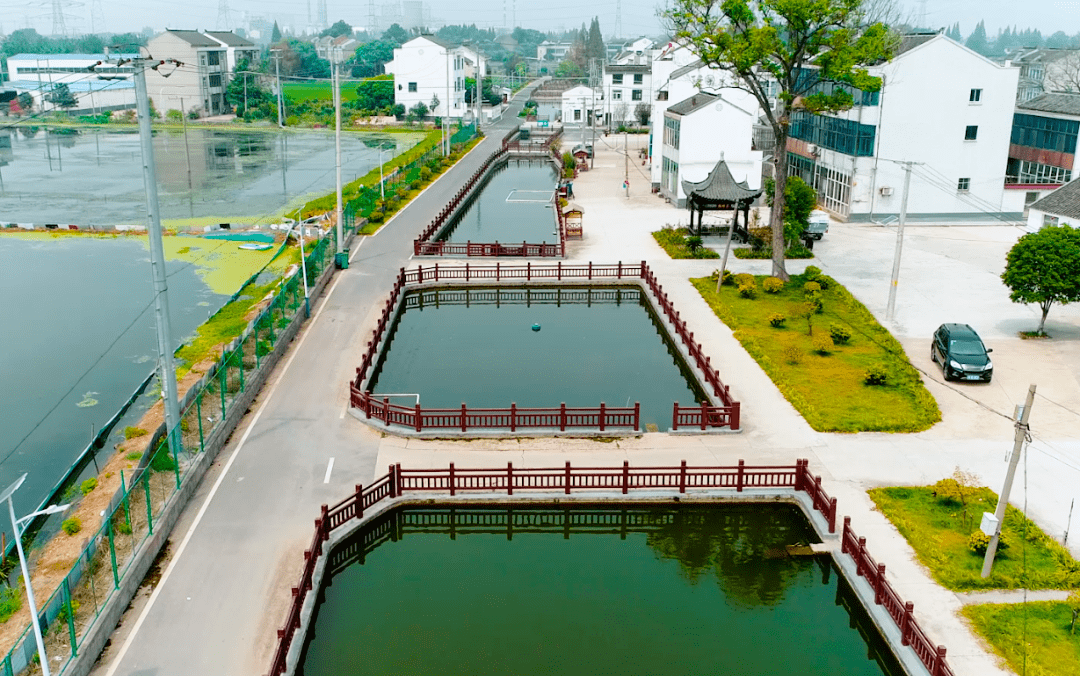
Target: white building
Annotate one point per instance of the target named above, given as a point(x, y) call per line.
point(1042, 150)
point(237, 49)
point(1044, 70)
point(552, 51)
point(582, 105)
point(625, 87)
point(333, 48)
point(942, 106)
point(700, 131)
point(199, 84)
point(106, 87)
point(1061, 207)
point(427, 68)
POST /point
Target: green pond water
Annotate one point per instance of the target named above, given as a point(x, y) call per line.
point(514, 205)
point(663, 590)
point(478, 346)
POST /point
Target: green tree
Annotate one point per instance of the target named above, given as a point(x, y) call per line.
point(337, 30)
point(275, 36)
point(255, 95)
point(954, 32)
point(299, 59)
point(371, 58)
point(800, 200)
point(1043, 267)
point(61, 96)
point(418, 112)
point(643, 112)
point(396, 35)
point(594, 45)
point(375, 94)
point(796, 44)
point(977, 41)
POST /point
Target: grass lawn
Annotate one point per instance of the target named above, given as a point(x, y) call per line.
point(319, 91)
point(673, 241)
point(1043, 626)
point(828, 390)
point(937, 528)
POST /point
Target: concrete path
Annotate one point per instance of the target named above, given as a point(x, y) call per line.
point(226, 588)
point(1013, 596)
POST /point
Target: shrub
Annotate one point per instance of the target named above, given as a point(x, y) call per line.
point(693, 243)
point(10, 602)
point(748, 291)
point(425, 174)
point(71, 526)
point(824, 281)
point(811, 288)
point(776, 320)
point(88, 486)
point(743, 279)
point(822, 345)
point(840, 334)
point(978, 541)
point(62, 616)
point(415, 185)
point(812, 272)
point(876, 375)
point(772, 285)
point(376, 217)
point(163, 460)
point(793, 355)
point(729, 278)
point(132, 432)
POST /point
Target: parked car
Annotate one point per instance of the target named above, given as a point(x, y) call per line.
point(819, 225)
point(961, 353)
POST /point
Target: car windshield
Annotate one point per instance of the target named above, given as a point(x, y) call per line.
point(967, 347)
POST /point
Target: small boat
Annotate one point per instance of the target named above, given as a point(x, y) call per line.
point(255, 246)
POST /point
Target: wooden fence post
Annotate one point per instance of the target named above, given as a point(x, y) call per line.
point(513, 416)
point(817, 493)
point(939, 662)
point(463, 414)
point(740, 477)
point(394, 490)
point(418, 425)
point(625, 476)
point(844, 537)
point(451, 480)
point(566, 481)
point(704, 414)
point(509, 478)
point(603, 413)
point(397, 479)
point(879, 583)
point(859, 559)
point(637, 416)
point(905, 623)
point(562, 417)
point(359, 501)
point(832, 515)
point(798, 475)
point(682, 477)
point(324, 520)
point(675, 417)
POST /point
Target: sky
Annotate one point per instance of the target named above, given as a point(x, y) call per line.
point(638, 16)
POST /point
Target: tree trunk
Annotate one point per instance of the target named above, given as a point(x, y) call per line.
point(1045, 311)
point(776, 216)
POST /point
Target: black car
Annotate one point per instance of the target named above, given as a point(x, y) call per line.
point(961, 353)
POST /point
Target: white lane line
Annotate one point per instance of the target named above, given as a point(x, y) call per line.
point(213, 491)
point(329, 468)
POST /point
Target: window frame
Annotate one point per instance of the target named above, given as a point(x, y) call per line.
point(639, 78)
point(971, 132)
point(412, 87)
point(963, 184)
point(975, 96)
point(616, 78)
point(636, 95)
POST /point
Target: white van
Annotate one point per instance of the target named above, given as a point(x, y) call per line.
point(819, 224)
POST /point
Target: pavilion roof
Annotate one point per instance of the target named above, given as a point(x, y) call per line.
point(719, 186)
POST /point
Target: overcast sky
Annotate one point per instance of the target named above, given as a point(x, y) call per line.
point(638, 16)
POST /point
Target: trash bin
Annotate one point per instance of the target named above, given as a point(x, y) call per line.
point(341, 260)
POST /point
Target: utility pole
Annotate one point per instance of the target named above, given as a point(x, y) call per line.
point(276, 54)
point(157, 256)
point(891, 309)
point(1003, 499)
point(626, 162)
point(187, 149)
point(336, 64)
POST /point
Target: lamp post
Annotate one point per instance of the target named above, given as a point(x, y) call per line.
point(15, 524)
point(382, 189)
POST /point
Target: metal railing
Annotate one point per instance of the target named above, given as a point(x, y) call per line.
point(566, 480)
point(704, 416)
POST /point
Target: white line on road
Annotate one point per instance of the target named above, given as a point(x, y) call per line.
point(213, 491)
point(329, 468)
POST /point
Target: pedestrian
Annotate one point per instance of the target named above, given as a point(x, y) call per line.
point(570, 189)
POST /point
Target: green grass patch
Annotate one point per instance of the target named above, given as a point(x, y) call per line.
point(794, 252)
point(316, 91)
point(225, 325)
point(828, 389)
point(10, 602)
point(1034, 635)
point(132, 432)
point(939, 529)
point(678, 245)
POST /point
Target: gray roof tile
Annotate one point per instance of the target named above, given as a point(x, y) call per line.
point(1065, 104)
point(1065, 201)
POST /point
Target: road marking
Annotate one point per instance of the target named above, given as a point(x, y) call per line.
point(213, 491)
point(329, 468)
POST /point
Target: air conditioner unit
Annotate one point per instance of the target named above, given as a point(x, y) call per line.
point(812, 149)
point(886, 192)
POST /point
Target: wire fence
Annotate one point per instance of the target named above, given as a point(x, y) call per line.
point(106, 560)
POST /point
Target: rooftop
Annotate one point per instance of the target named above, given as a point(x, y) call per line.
point(1065, 104)
point(719, 186)
point(231, 39)
point(1065, 201)
point(194, 38)
point(695, 102)
point(69, 57)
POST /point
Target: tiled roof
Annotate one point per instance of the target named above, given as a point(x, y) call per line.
point(1066, 104)
point(231, 39)
point(688, 68)
point(70, 57)
point(1065, 201)
point(719, 186)
point(194, 38)
point(913, 40)
point(695, 102)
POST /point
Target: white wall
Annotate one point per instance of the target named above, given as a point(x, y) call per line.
point(582, 99)
point(435, 71)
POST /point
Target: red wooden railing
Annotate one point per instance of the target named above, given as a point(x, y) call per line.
point(911, 634)
point(425, 246)
point(566, 479)
point(704, 416)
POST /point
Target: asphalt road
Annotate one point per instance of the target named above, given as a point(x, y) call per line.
point(238, 548)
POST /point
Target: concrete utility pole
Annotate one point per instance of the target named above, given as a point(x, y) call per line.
point(890, 311)
point(1003, 499)
point(276, 54)
point(337, 144)
point(157, 256)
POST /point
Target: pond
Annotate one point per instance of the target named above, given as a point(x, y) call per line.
point(93, 176)
point(479, 347)
point(514, 205)
point(584, 590)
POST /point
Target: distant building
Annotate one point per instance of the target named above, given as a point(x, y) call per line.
point(582, 105)
point(552, 51)
point(1042, 149)
point(1061, 207)
point(200, 83)
point(427, 68)
point(702, 130)
point(237, 49)
point(105, 88)
point(955, 122)
point(1045, 70)
point(625, 87)
point(344, 45)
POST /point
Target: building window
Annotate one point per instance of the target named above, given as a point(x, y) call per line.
point(661, 96)
point(963, 185)
point(971, 133)
point(412, 86)
point(616, 95)
point(636, 95)
point(834, 133)
point(215, 80)
point(1028, 173)
point(669, 177)
point(1045, 133)
point(213, 58)
point(637, 78)
point(1049, 220)
point(975, 96)
point(671, 132)
point(616, 78)
point(577, 115)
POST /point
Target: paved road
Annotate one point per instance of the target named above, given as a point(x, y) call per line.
point(223, 594)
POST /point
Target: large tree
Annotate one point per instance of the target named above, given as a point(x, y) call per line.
point(339, 29)
point(977, 41)
point(594, 45)
point(61, 96)
point(396, 35)
point(795, 44)
point(371, 58)
point(1043, 267)
point(1063, 75)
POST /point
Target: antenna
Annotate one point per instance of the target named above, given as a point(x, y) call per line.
point(224, 17)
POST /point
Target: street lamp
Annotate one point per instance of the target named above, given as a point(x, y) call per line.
point(382, 190)
point(15, 523)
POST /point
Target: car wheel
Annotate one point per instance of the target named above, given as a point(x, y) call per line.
point(933, 354)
